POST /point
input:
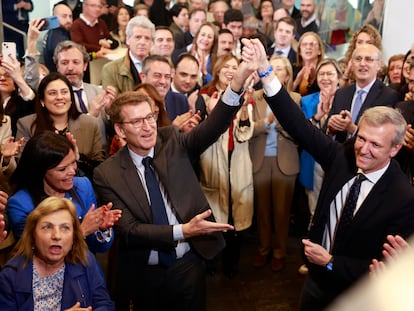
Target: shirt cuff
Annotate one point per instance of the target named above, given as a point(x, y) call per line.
point(104, 236)
point(272, 88)
point(178, 234)
point(31, 95)
point(230, 97)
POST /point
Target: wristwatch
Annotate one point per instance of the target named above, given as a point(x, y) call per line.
point(329, 265)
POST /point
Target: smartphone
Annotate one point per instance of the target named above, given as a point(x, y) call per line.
point(8, 48)
point(50, 23)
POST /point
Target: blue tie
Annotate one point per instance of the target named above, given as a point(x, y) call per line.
point(279, 52)
point(357, 105)
point(159, 214)
point(82, 105)
point(348, 210)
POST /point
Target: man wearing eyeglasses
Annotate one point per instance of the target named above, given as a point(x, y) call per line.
point(164, 237)
point(350, 102)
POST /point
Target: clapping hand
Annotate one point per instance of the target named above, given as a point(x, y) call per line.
point(109, 216)
point(11, 148)
point(395, 246)
point(72, 140)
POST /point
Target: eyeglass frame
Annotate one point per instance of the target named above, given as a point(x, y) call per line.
point(328, 74)
point(367, 59)
point(137, 123)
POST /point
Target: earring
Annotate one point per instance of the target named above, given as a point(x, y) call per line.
point(42, 104)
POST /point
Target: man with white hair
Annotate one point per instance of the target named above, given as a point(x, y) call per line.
point(124, 73)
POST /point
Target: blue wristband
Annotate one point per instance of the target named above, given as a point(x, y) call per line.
point(265, 73)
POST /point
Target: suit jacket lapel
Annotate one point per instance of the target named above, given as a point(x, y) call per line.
point(371, 97)
point(135, 188)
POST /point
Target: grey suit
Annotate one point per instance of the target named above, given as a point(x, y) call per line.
point(117, 180)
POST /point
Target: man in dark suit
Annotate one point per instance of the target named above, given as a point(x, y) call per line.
point(284, 32)
point(289, 5)
point(185, 82)
point(144, 280)
point(338, 258)
point(16, 14)
point(346, 107)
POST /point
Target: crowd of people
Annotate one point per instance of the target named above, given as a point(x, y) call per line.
point(211, 117)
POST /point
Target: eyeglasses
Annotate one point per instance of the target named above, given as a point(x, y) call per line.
point(329, 74)
point(151, 118)
point(367, 59)
point(309, 44)
point(4, 75)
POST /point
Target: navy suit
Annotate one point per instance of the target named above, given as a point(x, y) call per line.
point(291, 55)
point(388, 209)
point(378, 95)
point(176, 104)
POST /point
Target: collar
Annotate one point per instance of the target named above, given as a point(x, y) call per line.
point(173, 88)
point(134, 59)
point(137, 159)
point(82, 87)
point(87, 22)
point(375, 176)
point(308, 22)
point(366, 88)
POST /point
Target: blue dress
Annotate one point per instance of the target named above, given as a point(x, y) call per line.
point(21, 204)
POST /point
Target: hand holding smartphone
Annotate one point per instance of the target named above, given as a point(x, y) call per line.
point(50, 23)
point(7, 49)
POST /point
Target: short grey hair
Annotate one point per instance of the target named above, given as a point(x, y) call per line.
point(140, 21)
point(66, 45)
point(381, 115)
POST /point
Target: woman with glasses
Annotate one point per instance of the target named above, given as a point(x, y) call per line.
point(16, 97)
point(47, 168)
point(56, 111)
point(316, 108)
point(310, 53)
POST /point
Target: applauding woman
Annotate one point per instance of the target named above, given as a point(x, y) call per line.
point(47, 168)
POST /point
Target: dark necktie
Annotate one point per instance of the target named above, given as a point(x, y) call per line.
point(357, 105)
point(81, 102)
point(159, 214)
point(279, 52)
point(348, 209)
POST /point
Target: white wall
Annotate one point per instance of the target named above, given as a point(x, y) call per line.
point(42, 8)
point(398, 29)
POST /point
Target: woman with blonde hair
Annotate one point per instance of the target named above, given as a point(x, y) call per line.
point(310, 52)
point(205, 50)
point(52, 268)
